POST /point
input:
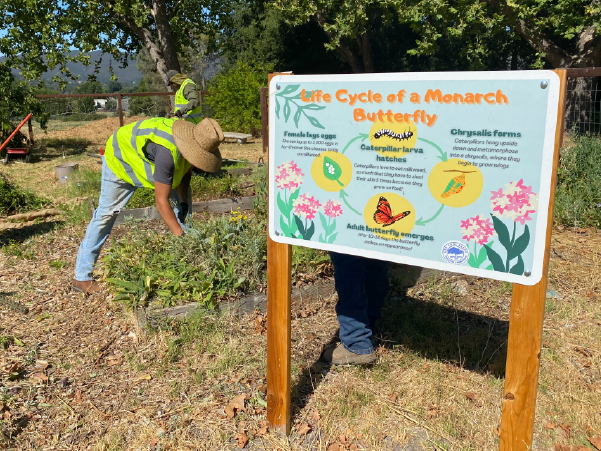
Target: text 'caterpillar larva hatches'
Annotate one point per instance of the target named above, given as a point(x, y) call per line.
point(393, 135)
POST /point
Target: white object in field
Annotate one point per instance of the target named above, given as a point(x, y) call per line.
point(241, 137)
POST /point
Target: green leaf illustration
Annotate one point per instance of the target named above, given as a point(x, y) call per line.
point(287, 110)
point(495, 259)
point(332, 238)
point(299, 224)
point(482, 254)
point(521, 243)
point(297, 116)
point(288, 90)
point(293, 229)
point(277, 108)
point(310, 231)
point(313, 107)
point(518, 268)
point(332, 226)
point(284, 209)
point(324, 222)
point(284, 227)
point(292, 198)
point(332, 170)
point(503, 233)
point(472, 261)
point(321, 240)
point(314, 122)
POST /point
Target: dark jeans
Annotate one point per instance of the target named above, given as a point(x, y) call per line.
point(362, 284)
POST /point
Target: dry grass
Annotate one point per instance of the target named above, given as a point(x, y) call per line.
point(439, 376)
point(439, 373)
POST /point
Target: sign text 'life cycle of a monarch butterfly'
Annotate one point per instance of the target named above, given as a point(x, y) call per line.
point(450, 171)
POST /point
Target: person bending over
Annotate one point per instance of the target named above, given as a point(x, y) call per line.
point(155, 153)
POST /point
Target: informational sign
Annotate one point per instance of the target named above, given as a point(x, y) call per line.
point(450, 171)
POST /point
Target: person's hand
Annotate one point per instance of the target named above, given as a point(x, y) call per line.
point(178, 113)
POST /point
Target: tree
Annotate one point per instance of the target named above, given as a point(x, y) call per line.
point(397, 35)
point(114, 86)
point(566, 33)
point(235, 97)
point(345, 22)
point(151, 82)
point(43, 32)
point(16, 102)
point(254, 33)
point(87, 104)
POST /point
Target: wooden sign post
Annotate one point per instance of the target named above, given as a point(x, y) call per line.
point(279, 283)
point(524, 341)
point(526, 329)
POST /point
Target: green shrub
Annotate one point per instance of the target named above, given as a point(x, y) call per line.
point(578, 196)
point(235, 97)
point(15, 200)
point(215, 260)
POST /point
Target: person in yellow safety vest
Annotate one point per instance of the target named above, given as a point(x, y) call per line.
point(156, 153)
point(187, 100)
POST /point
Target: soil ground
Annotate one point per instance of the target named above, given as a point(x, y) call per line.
point(77, 372)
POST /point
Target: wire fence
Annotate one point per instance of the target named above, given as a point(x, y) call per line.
point(583, 105)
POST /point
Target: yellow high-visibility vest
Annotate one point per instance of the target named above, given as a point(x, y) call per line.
point(194, 114)
point(125, 157)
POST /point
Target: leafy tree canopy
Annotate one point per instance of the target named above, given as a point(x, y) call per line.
point(41, 33)
point(16, 102)
point(565, 33)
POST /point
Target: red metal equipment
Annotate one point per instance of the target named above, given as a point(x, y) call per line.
point(18, 151)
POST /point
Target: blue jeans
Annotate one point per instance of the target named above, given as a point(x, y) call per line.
point(114, 196)
point(362, 284)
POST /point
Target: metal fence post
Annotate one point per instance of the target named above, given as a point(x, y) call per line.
point(120, 108)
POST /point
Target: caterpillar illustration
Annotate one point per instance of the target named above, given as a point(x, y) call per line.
point(393, 135)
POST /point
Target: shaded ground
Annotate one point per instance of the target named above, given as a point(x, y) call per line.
point(76, 372)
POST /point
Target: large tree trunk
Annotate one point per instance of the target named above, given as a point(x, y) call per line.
point(365, 46)
point(159, 12)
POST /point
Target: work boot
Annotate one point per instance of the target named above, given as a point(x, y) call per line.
point(339, 355)
point(86, 287)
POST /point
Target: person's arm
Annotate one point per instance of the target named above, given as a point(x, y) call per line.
point(161, 197)
point(191, 95)
point(182, 192)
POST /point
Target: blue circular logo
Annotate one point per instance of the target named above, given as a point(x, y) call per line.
point(455, 252)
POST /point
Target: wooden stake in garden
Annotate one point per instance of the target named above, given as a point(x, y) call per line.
point(524, 341)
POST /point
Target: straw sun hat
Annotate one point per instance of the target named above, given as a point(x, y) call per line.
point(199, 144)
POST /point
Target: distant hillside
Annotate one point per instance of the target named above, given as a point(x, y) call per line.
point(126, 76)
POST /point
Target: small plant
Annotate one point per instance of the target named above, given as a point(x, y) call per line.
point(57, 264)
point(16, 249)
point(15, 200)
point(133, 294)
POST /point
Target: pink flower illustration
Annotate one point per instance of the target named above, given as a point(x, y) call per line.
point(305, 206)
point(332, 208)
point(288, 176)
point(516, 202)
point(478, 228)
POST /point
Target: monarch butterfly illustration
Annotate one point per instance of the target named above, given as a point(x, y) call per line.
point(393, 135)
point(455, 186)
point(383, 214)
